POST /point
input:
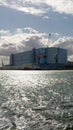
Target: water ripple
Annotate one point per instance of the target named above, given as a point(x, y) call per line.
point(36, 100)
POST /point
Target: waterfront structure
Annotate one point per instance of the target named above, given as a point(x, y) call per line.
point(41, 58)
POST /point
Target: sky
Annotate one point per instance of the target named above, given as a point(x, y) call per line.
point(26, 24)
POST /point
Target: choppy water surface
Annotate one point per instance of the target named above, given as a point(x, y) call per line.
point(36, 100)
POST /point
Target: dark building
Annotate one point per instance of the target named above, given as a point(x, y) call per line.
point(43, 58)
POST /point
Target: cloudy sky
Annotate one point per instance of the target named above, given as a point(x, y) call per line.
point(25, 24)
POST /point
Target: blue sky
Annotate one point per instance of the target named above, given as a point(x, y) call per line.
point(25, 24)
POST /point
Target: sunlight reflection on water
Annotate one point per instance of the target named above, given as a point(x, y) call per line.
point(36, 100)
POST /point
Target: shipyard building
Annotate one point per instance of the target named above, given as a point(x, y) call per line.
point(41, 58)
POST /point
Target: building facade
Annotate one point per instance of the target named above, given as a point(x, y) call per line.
point(45, 58)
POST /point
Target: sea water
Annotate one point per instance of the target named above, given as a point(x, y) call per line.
point(36, 100)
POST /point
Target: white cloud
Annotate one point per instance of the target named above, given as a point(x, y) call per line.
point(45, 17)
point(20, 40)
point(25, 39)
point(62, 6)
point(39, 7)
point(4, 60)
point(22, 5)
point(66, 43)
point(71, 58)
point(4, 32)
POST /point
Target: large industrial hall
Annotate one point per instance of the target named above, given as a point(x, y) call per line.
point(40, 58)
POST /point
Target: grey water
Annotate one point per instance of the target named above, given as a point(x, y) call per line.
point(36, 100)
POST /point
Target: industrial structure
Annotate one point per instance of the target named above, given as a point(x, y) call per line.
point(41, 58)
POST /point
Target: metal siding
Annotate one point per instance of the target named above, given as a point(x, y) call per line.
point(56, 56)
point(62, 56)
point(12, 59)
point(40, 53)
point(37, 56)
point(23, 58)
point(34, 55)
point(51, 53)
point(41, 56)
